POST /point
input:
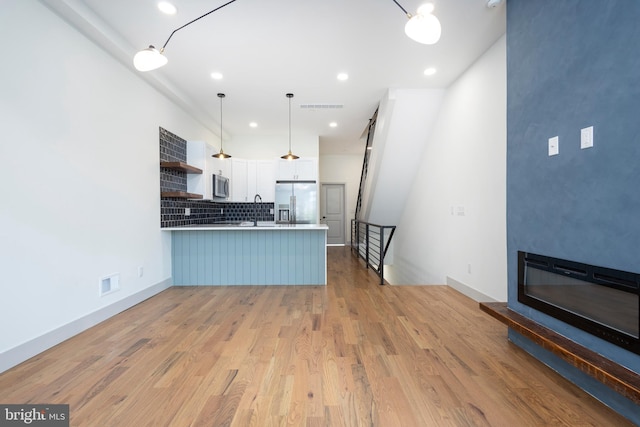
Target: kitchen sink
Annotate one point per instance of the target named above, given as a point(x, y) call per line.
point(260, 224)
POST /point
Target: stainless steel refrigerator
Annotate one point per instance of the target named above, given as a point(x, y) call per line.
point(296, 202)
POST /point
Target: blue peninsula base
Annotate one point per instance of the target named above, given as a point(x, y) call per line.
point(249, 256)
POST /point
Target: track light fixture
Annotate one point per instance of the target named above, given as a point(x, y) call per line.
point(151, 58)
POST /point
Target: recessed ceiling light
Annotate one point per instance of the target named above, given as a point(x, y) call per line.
point(253, 124)
point(168, 8)
point(430, 71)
point(216, 76)
point(333, 124)
point(343, 76)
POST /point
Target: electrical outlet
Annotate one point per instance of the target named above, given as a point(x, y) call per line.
point(140, 271)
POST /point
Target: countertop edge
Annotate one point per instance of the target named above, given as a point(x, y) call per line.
point(278, 227)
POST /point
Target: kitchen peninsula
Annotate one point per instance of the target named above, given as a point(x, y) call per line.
point(244, 254)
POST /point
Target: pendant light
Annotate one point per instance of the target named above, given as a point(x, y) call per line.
point(151, 58)
point(422, 27)
point(289, 155)
point(221, 154)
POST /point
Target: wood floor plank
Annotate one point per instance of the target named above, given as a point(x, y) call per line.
point(352, 353)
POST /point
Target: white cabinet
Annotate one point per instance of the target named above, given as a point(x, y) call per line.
point(266, 180)
point(296, 170)
point(239, 180)
point(222, 166)
point(199, 155)
point(251, 177)
point(246, 177)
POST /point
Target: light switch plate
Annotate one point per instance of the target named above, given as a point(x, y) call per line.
point(554, 150)
point(586, 137)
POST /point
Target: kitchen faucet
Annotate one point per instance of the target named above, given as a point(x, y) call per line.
point(255, 209)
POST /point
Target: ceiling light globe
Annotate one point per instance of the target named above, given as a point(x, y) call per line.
point(167, 8)
point(426, 9)
point(430, 71)
point(425, 29)
point(149, 59)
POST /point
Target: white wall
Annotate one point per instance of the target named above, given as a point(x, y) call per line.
point(343, 169)
point(453, 229)
point(405, 120)
point(79, 182)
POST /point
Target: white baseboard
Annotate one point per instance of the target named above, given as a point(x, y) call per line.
point(19, 354)
point(468, 291)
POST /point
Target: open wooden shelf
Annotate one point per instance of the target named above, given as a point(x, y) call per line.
point(609, 373)
point(180, 195)
point(181, 166)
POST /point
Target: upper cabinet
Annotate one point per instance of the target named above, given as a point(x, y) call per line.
point(265, 179)
point(246, 177)
point(239, 180)
point(221, 166)
point(305, 169)
point(251, 177)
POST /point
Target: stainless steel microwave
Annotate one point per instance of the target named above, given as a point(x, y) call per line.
point(220, 187)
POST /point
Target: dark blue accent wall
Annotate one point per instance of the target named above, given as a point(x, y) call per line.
point(573, 64)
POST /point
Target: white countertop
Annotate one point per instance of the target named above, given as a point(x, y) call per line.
point(248, 226)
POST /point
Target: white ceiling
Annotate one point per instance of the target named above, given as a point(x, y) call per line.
point(265, 49)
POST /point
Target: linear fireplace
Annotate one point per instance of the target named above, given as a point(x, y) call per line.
point(598, 300)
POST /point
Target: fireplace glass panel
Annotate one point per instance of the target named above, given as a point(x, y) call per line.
point(599, 300)
point(607, 306)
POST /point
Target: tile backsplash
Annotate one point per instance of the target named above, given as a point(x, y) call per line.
point(172, 149)
point(172, 210)
point(235, 212)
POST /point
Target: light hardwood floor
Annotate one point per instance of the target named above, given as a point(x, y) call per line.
point(353, 353)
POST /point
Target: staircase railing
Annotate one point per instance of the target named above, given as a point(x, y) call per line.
point(365, 164)
point(371, 242)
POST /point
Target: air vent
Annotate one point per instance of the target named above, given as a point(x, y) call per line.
point(320, 106)
point(108, 284)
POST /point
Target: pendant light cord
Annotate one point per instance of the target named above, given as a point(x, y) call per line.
point(289, 123)
point(403, 9)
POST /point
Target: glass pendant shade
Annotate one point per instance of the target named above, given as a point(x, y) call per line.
point(149, 59)
point(424, 28)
